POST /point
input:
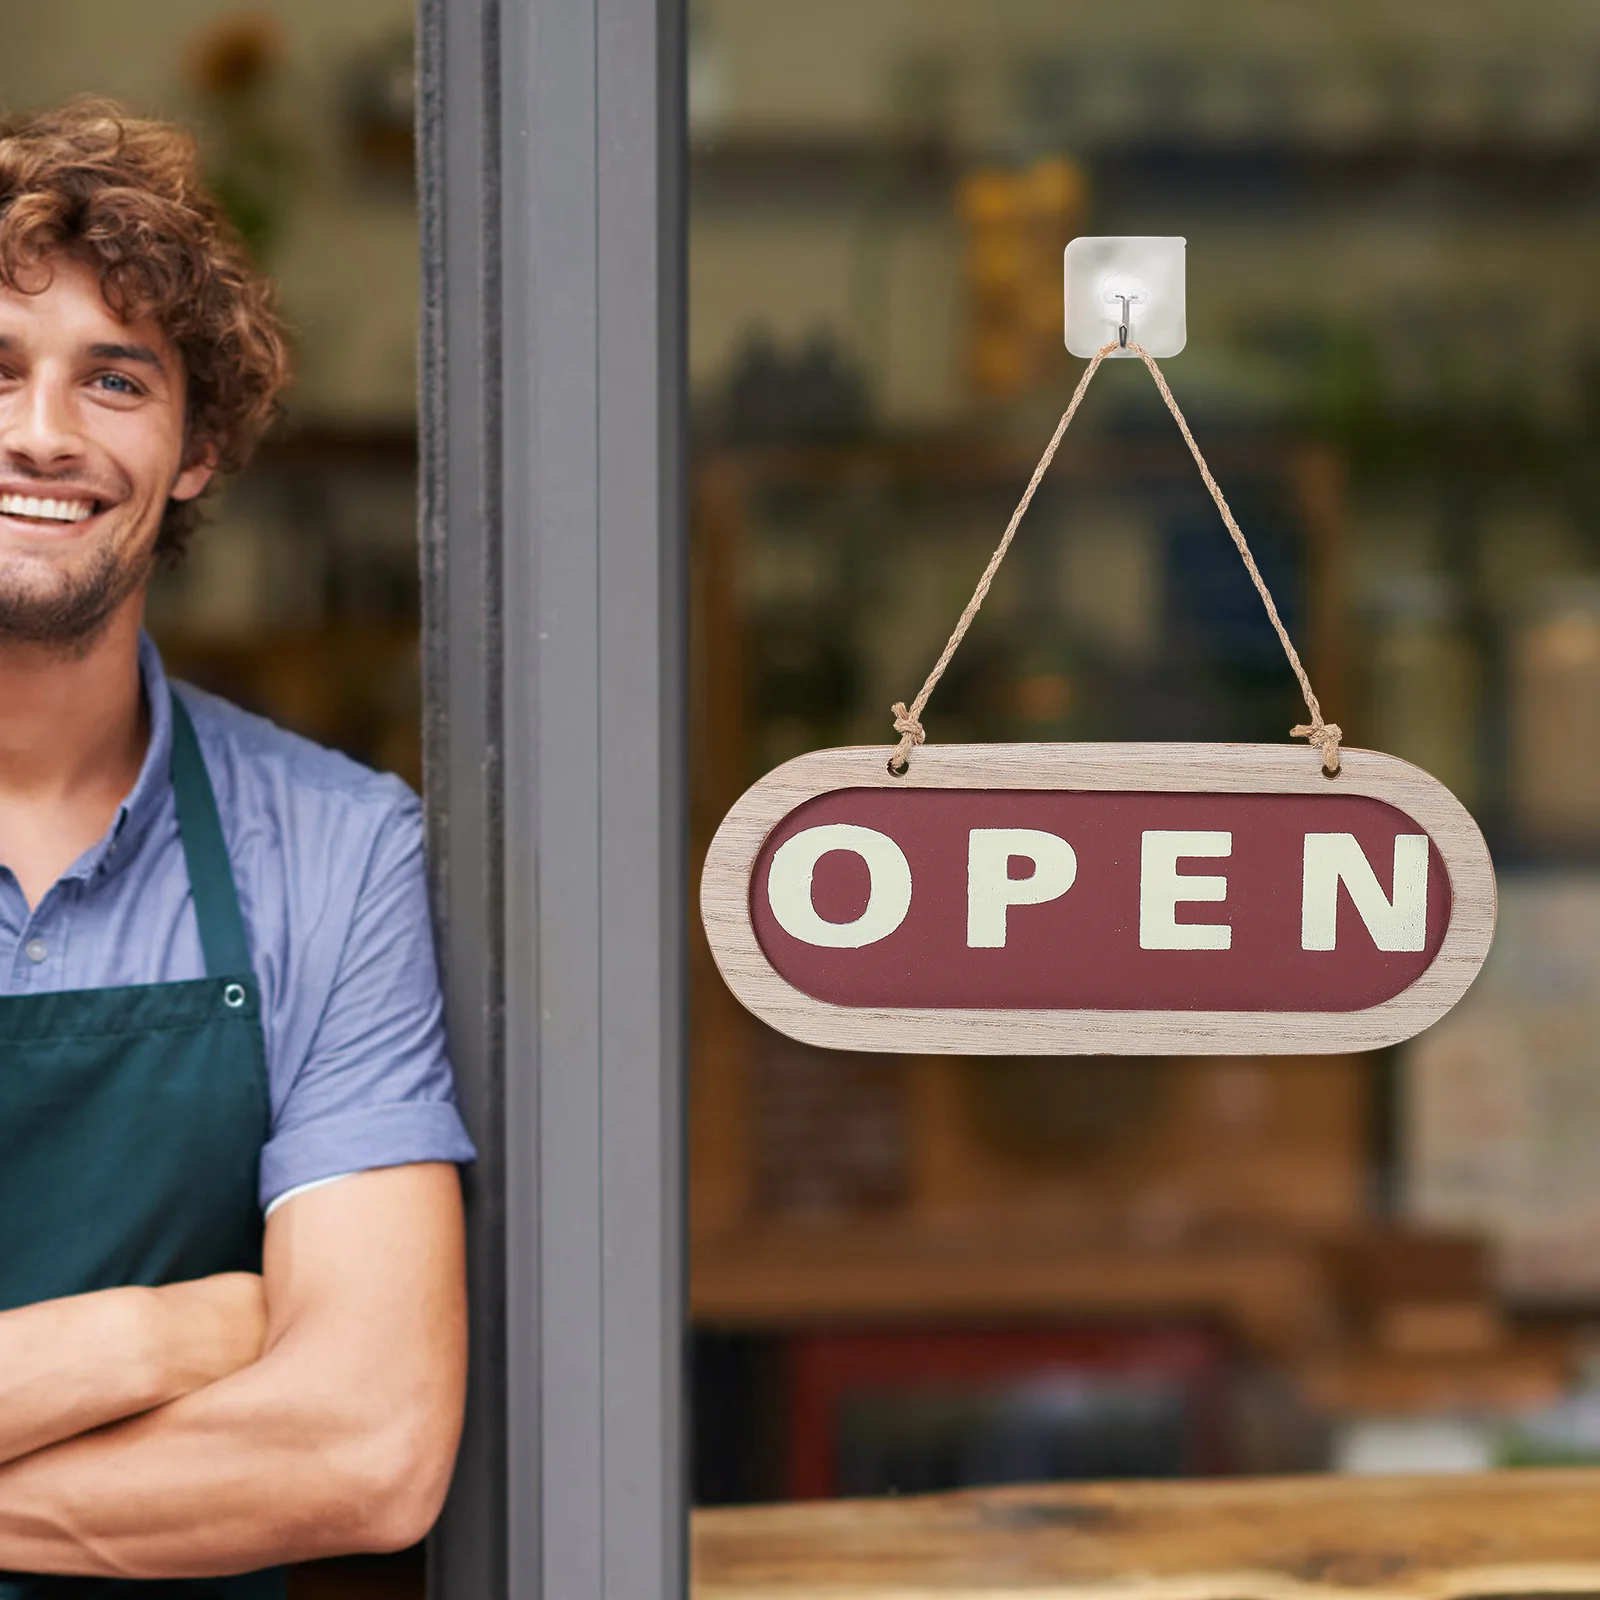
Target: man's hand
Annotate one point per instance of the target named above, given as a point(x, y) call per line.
point(68, 1366)
point(341, 1438)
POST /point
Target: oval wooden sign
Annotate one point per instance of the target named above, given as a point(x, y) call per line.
point(1072, 899)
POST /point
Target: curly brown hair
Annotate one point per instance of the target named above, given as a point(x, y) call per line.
point(125, 195)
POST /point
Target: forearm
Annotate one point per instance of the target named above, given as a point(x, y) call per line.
point(339, 1439)
point(70, 1365)
point(257, 1470)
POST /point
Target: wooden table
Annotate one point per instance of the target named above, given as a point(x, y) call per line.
point(1500, 1535)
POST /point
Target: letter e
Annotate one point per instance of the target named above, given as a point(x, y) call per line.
point(1162, 886)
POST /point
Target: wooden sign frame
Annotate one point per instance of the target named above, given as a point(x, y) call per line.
point(1170, 768)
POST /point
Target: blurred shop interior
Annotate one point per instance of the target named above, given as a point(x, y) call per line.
point(923, 1273)
point(917, 1273)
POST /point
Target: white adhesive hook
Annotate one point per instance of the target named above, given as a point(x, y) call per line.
point(1125, 288)
point(1124, 294)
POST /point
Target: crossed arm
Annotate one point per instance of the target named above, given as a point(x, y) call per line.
point(322, 1422)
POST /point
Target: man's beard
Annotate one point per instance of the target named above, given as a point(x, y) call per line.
point(71, 619)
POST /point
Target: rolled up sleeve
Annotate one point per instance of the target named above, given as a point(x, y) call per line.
point(375, 1088)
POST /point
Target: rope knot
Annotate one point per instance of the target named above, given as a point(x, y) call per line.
point(1324, 736)
point(911, 735)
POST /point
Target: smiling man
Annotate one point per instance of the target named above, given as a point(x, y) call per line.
point(231, 1299)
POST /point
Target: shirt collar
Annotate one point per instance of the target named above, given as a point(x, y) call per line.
point(148, 796)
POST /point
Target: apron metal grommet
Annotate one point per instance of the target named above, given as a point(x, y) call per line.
point(233, 996)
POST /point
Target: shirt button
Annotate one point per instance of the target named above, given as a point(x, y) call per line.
point(37, 950)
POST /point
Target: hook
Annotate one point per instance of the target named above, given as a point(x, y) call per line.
point(1122, 330)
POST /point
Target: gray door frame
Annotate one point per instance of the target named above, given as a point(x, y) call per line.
point(554, 564)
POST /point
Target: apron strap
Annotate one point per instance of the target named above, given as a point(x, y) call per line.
point(216, 901)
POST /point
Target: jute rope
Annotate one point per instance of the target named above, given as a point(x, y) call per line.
point(1324, 736)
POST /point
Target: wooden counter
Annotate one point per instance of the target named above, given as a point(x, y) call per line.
point(1500, 1535)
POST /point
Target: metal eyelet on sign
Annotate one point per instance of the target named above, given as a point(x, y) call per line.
point(233, 996)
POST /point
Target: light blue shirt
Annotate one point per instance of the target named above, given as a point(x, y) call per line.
point(328, 861)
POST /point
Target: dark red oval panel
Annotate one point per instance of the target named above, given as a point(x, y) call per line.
point(1082, 949)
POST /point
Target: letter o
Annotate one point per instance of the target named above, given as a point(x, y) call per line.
point(789, 886)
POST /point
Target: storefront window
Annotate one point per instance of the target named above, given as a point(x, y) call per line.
point(916, 1273)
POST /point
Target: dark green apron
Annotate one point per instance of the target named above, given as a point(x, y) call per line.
point(131, 1128)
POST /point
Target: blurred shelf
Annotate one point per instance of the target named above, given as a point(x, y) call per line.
point(763, 168)
point(1525, 1375)
point(964, 456)
point(1512, 1533)
point(320, 445)
point(1433, 173)
point(768, 167)
point(776, 1276)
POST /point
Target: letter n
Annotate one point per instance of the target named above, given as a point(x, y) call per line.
point(1396, 922)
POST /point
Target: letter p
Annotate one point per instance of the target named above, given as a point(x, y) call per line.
point(991, 888)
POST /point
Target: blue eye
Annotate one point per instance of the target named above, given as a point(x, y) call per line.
point(123, 383)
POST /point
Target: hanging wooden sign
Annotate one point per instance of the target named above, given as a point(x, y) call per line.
point(1126, 899)
point(1137, 899)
